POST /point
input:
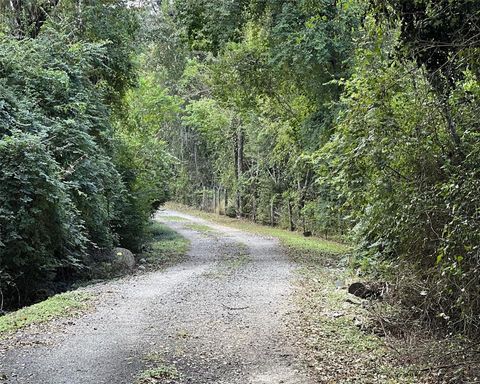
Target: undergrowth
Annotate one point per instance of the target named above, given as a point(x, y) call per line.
point(166, 246)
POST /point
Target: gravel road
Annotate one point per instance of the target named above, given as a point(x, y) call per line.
point(221, 316)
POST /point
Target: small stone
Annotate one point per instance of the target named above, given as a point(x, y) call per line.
point(335, 314)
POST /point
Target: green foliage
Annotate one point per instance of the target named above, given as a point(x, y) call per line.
point(77, 175)
point(344, 118)
point(403, 158)
point(440, 34)
point(53, 123)
point(142, 158)
point(208, 25)
point(253, 101)
point(40, 230)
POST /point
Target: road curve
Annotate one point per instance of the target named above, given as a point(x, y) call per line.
point(218, 317)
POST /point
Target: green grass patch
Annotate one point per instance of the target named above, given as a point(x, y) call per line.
point(157, 371)
point(162, 374)
point(166, 246)
point(58, 306)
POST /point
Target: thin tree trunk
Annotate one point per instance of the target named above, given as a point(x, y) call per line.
point(219, 196)
point(225, 191)
point(272, 211)
point(196, 160)
point(16, 5)
point(214, 199)
point(240, 143)
point(237, 176)
point(290, 218)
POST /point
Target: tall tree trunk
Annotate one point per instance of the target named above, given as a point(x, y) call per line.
point(219, 200)
point(195, 157)
point(237, 176)
point(240, 143)
point(16, 6)
point(272, 211)
point(225, 192)
point(214, 199)
point(290, 216)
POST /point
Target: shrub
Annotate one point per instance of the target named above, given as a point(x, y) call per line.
point(40, 231)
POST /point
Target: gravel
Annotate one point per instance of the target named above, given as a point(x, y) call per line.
point(221, 316)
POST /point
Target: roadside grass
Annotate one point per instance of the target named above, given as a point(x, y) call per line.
point(179, 219)
point(343, 342)
point(166, 247)
point(342, 345)
point(59, 306)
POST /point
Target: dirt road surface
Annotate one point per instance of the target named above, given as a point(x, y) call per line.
point(221, 316)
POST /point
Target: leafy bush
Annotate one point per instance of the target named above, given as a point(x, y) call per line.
point(40, 231)
point(405, 160)
point(68, 188)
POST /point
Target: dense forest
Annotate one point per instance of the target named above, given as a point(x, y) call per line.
point(354, 120)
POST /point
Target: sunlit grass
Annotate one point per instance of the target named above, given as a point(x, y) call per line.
point(58, 306)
